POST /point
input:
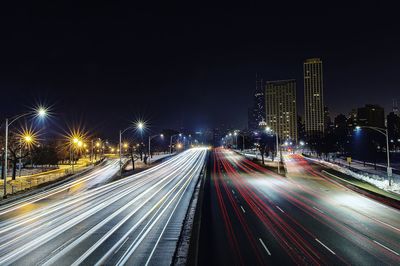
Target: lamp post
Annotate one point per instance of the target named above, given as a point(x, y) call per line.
point(139, 125)
point(235, 134)
point(150, 138)
point(91, 150)
point(383, 131)
point(242, 135)
point(76, 142)
point(268, 129)
point(170, 141)
point(40, 112)
point(27, 139)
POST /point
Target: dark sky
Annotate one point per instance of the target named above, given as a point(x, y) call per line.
point(189, 65)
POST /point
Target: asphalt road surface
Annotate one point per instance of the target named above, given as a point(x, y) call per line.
point(133, 221)
point(252, 216)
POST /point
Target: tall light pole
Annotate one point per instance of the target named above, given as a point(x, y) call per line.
point(40, 112)
point(268, 129)
point(74, 143)
point(150, 138)
point(91, 151)
point(242, 135)
point(139, 125)
point(170, 141)
point(27, 139)
point(383, 131)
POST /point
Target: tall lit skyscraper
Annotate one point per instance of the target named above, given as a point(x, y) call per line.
point(280, 103)
point(313, 97)
point(257, 112)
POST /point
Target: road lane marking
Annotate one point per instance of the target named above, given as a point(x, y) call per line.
point(385, 247)
point(126, 239)
point(330, 250)
point(280, 209)
point(379, 221)
point(318, 209)
point(242, 209)
point(265, 247)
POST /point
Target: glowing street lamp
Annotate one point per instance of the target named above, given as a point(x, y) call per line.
point(42, 112)
point(80, 144)
point(383, 131)
point(28, 139)
point(269, 130)
point(150, 138)
point(39, 112)
point(140, 125)
point(170, 141)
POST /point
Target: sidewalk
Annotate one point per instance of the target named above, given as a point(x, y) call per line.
point(22, 183)
point(368, 169)
point(365, 188)
point(358, 171)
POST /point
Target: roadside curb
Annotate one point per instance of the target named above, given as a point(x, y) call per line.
point(368, 193)
point(186, 252)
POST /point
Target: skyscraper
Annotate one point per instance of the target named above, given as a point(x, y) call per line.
point(257, 112)
point(313, 97)
point(280, 102)
point(371, 115)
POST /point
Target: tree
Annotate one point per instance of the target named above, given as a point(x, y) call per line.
point(45, 155)
point(17, 151)
point(133, 152)
point(264, 144)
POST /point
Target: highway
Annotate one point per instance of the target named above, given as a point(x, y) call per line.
point(252, 216)
point(132, 221)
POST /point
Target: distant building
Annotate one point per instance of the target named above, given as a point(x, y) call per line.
point(328, 127)
point(371, 115)
point(352, 120)
point(313, 97)
point(393, 125)
point(256, 114)
point(340, 122)
point(281, 113)
point(395, 107)
point(301, 132)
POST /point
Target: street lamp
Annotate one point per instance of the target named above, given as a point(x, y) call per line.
point(170, 141)
point(268, 130)
point(40, 112)
point(150, 138)
point(383, 131)
point(139, 126)
point(27, 139)
point(75, 142)
point(235, 134)
point(242, 135)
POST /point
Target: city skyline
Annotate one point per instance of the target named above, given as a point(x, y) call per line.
point(58, 54)
point(180, 133)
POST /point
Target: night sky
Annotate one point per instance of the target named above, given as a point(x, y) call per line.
point(194, 66)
